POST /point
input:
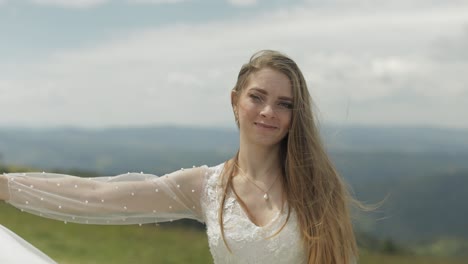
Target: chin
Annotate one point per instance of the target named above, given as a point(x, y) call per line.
point(269, 142)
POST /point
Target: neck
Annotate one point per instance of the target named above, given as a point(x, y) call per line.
point(259, 162)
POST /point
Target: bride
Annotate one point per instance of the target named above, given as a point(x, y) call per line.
point(278, 200)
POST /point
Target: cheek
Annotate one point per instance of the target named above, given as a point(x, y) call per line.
point(287, 120)
point(246, 108)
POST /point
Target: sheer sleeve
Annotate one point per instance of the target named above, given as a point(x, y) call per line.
point(132, 198)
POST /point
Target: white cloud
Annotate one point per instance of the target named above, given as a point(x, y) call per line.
point(380, 65)
point(382, 4)
point(156, 1)
point(71, 3)
point(242, 2)
point(452, 47)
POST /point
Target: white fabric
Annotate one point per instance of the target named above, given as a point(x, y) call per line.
point(14, 250)
point(249, 243)
point(137, 198)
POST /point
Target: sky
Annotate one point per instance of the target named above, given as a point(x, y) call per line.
point(101, 63)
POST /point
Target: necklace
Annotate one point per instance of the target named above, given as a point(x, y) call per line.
point(265, 195)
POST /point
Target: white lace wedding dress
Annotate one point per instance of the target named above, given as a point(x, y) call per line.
point(137, 198)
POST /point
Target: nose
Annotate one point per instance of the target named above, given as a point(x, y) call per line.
point(267, 111)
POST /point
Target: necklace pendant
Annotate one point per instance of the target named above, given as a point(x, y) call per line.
point(265, 196)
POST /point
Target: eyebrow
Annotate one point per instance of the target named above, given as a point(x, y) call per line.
point(285, 98)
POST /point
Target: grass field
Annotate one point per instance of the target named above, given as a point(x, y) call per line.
point(73, 244)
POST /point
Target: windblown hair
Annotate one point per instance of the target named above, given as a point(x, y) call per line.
point(313, 188)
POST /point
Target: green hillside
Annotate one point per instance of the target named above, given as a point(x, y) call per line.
point(92, 244)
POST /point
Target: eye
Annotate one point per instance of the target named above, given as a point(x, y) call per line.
point(256, 98)
point(285, 105)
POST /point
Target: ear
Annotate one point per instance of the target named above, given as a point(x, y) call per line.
point(234, 99)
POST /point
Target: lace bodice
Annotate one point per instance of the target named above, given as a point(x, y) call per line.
point(138, 198)
point(249, 243)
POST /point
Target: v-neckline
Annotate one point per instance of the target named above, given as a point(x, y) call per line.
point(275, 217)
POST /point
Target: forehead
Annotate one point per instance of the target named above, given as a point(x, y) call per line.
point(271, 81)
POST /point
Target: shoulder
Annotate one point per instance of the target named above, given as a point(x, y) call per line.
point(215, 171)
point(212, 180)
point(197, 177)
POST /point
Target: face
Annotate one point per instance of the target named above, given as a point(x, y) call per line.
point(264, 107)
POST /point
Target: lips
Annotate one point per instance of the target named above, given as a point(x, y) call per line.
point(265, 125)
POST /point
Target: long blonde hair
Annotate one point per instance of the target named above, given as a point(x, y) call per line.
point(313, 188)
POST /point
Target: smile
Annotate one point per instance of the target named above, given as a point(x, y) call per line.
point(265, 125)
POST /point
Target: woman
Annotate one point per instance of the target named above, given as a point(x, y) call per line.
point(278, 200)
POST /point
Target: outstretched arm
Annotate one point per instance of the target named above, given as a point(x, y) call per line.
point(124, 199)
